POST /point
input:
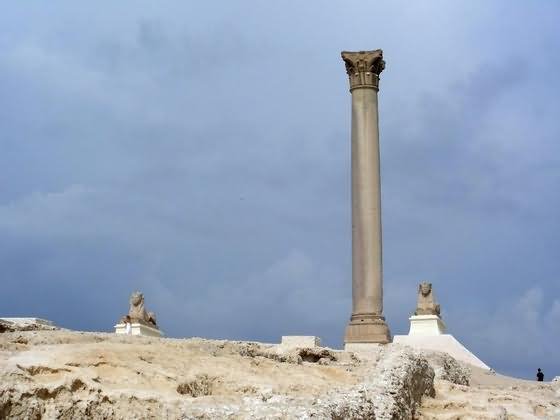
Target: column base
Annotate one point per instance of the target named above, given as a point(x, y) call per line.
point(367, 328)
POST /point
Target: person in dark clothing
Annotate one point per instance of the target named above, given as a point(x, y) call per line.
point(540, 375)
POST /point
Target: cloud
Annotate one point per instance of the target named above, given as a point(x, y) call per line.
point(525, 325)
point(201, 154)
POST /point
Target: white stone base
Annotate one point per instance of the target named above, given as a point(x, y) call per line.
point(299, 341)
point(426, 325)
point(445, 343)
point(138, 329)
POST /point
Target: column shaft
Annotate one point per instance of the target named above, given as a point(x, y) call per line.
point(367, 324)
point(367, 280)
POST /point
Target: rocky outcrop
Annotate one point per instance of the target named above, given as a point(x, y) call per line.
point(74, 375)
point(63, 374)
point(6, 326)
point(510, 399)
point(393, 389)
point(448, 369)
point(25, 324)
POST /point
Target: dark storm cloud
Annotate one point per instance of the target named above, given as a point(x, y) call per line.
point(201, 154)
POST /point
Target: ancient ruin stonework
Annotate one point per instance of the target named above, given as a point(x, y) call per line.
point(137, 311)
point(363, 68)
point(426, 301)
point(367, 323)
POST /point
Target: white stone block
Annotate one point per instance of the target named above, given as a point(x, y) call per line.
point(138, 329)
point(299, 341)
point(426, 325)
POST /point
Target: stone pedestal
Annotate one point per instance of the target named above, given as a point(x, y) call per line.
point(426, 325)
point(137, 328)
point(367, 329)
point(427, 332)
point(367, 324)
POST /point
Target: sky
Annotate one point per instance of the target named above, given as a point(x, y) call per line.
point(200, 152)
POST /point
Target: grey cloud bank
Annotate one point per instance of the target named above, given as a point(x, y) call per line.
point(201, 154)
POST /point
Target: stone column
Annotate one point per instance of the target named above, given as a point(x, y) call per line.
point(367, 323)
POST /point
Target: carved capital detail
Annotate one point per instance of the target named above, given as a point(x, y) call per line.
point(363, 68)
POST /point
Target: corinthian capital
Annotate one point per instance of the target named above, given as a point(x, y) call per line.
point(363, 68)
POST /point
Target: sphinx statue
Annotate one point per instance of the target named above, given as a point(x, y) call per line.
point(426, 302)
point(137, 311)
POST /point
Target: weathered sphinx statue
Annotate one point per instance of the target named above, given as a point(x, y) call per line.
point(426, 302)
point(137, 311)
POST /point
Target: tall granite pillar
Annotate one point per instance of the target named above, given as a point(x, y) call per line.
point(367, 323)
